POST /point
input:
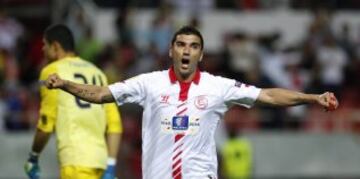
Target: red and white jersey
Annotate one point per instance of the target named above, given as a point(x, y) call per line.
point(180, 119)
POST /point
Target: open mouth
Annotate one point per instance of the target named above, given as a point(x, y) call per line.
point(185, 61)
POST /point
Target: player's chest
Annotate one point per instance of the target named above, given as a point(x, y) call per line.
point(172, 99)
point(176, 114)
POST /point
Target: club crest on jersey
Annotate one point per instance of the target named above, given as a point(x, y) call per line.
point(201, 102)
point(180, 122)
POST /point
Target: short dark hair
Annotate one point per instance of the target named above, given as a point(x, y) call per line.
point(188, 30)
point(61, 34)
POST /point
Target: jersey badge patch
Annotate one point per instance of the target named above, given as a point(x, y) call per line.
point(201, 102)
point(238, 84)
point(180, 122)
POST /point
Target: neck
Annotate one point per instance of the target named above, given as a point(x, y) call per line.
point(65, 54)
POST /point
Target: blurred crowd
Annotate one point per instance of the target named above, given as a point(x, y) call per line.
point(323, 60)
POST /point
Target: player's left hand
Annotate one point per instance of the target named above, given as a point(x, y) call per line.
point(328, 101)
point(109, 173)
point(32, 168)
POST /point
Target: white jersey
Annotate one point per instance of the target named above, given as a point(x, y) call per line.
point(180, 119)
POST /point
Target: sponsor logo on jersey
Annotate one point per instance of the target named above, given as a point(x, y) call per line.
point(186, 125)
point(180, 122)
point(164, 99)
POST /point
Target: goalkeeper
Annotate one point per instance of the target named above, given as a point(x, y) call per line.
point(87, 135)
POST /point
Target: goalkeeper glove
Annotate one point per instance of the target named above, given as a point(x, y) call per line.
point(31, 167)
point(109, 173)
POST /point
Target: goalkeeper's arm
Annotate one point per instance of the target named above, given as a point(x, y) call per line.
point(31, 167)
point(40, 140)
point(113, 142)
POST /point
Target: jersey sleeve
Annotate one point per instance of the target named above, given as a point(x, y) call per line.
point(48, 104)
point(113, 118)
point(129, 91)
point(235, 92)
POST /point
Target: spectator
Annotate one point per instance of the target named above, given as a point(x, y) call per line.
point(332, 60)
point(10, 32)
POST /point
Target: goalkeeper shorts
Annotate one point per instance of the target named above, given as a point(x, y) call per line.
point(71, 172)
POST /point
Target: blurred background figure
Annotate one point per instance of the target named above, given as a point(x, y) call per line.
point(331, 63)
point(10, 32)
point(88, 46)
point(236, 154)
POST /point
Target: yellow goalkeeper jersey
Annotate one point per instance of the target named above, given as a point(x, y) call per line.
point(80, 126)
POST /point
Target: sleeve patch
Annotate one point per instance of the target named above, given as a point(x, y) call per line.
point(238, 84)
point(44, 119)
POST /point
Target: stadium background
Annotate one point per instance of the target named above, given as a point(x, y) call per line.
point(307, 45)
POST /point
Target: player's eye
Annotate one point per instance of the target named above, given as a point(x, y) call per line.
point(180, 44)
point(195, 46)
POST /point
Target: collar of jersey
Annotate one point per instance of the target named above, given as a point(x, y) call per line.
point(173, 78)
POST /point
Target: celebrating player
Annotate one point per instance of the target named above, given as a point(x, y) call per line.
point(80, 127)
point(183, 93)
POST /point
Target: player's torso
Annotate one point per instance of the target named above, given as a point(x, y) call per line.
point(189, 116)
point(80, 126)
point(71, 108)
point(196, 117)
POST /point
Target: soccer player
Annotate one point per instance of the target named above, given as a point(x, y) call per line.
point(186, 149)
point(87, 135)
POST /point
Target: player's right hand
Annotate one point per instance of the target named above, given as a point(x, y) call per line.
point(328, 101)
point(54, 81)
point(32, 168)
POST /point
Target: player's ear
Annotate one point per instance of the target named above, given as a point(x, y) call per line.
point(56, 45)
point(201, 56)
point(170, 52)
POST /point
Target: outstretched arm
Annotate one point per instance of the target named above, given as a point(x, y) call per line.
point(284, 97)
point(90, 93)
